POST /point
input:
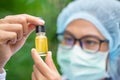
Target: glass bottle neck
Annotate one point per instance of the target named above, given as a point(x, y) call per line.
point(40, 34)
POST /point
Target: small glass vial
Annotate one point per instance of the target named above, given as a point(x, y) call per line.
point(41, 43)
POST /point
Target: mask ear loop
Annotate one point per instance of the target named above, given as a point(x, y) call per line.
point(107, 67)
point(107, 63)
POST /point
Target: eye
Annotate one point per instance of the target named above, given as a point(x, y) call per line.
point(68, 41)
point(90, 42)
point(90, 45)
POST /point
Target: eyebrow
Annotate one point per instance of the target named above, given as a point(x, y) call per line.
point(69, 33)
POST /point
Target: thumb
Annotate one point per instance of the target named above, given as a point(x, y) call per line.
point(31, 28)
point(49, 61)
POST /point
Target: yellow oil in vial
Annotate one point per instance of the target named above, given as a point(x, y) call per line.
point(41, 45)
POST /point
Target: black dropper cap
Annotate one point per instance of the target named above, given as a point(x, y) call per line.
point(40, 28)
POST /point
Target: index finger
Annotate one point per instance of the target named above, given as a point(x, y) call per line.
point(33, 20)
point(23, 18)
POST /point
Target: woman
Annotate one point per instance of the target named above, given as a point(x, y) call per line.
point(89, 49)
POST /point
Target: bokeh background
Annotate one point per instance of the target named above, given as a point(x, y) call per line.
point(20, 65)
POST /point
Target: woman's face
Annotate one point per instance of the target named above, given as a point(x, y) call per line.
point(80, 28)
point(84, 34)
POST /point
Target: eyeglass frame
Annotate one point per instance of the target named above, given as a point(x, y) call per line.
point(80, 42)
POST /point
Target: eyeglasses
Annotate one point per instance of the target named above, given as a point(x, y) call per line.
point(88, 43)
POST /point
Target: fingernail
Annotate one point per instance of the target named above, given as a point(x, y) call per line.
point(41, 20)
point(50, 53)
point(33, 50)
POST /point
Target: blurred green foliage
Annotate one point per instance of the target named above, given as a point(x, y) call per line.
point(20, 65)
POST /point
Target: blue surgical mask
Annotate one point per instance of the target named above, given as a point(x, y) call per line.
point(77, 64)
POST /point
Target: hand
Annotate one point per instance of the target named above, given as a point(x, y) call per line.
point(44, 70)
point(14, 31)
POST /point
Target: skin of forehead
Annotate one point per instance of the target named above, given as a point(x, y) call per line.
point(80, 28)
